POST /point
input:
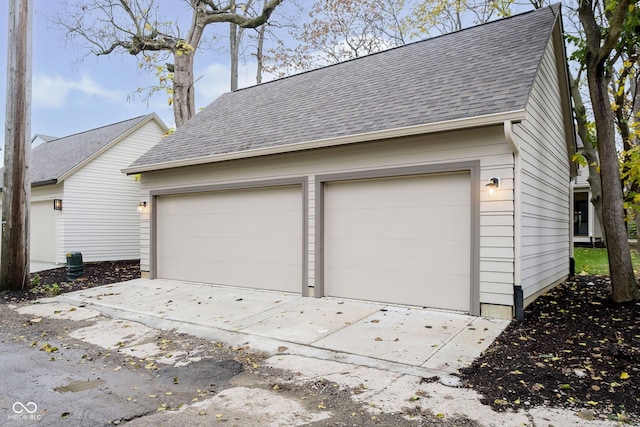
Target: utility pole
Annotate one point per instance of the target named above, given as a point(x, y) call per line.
point(16, 192)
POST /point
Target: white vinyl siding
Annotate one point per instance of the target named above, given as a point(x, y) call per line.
point(486, 145)
point(99, 213)
point(545, 210)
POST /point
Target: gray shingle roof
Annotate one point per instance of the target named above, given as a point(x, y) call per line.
point(474, 72)
point(52, 160)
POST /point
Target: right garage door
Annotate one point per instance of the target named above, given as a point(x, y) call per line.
point(403, 240)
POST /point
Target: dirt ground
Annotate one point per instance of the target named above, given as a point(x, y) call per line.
point(575, 349)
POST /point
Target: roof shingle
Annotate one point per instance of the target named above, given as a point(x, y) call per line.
point(478, 71)
point(53, 159)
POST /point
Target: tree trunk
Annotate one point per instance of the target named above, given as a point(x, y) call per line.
point(589, 153)
point(623, 282)
point(233, 50)
point(16, 194)
point(184, 104)
point(599, 46)
point(260, 53)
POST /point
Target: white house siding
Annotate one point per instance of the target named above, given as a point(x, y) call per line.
point(581, 184)
point(486, 145)
point(99, 213)
point(545, 210)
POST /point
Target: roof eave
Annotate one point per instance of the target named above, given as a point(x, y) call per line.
point(470, 122)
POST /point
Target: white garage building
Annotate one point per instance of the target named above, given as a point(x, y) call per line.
point(368, 179)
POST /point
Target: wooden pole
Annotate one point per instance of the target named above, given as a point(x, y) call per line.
point(16, 192)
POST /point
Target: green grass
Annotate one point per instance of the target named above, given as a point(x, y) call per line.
point(594, 261)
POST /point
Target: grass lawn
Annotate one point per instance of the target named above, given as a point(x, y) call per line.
point(594, 261)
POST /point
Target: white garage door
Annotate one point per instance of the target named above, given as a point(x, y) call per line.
point(250, 238)
point(402, 240)
point(43, 231)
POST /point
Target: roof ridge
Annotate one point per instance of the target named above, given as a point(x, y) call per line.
point(336, 64)
point(99, 127)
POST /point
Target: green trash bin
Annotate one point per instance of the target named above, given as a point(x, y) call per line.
point(75, 266)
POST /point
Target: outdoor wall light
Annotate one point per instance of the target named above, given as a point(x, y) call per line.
point(493, 185)
point(57, 204)
point(141, 206)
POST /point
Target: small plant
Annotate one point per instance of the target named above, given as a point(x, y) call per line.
point(52, 290)
point(35, 280)
point(49, 290)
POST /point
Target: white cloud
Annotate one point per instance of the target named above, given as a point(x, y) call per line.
point(54, 91)
point(211, 82)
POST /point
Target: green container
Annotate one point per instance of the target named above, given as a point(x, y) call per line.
point(75, 266)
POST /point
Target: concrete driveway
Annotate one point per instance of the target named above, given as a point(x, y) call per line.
point(394, 338)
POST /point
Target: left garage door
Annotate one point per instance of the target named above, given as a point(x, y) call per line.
point(43, 232)
point(248, 238)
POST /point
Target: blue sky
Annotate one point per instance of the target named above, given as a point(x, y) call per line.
point(72, 92)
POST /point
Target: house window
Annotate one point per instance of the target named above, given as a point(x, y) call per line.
point(581, 214)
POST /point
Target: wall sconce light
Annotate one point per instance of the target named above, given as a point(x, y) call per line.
point(57, 204)
point(493, 185)
point(141, 206)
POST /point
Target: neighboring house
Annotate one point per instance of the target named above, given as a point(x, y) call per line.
point(368, 179)
point(98, 215)
point(586, 227)
point(41, 139)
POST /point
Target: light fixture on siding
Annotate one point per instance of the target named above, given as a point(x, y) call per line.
point(141, 206)
point(57, 204)
point(493, 185)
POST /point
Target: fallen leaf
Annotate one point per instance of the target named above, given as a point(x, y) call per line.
point(624, 376)
point(378, 339)
point(586, 415)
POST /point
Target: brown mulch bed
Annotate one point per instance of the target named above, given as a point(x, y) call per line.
point(53, 282)
point(575, 349)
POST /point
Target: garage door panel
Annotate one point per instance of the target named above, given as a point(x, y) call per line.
point(232, 249)
point(234, 273)
point(361, 287)
point(217, 226)
point(437, 222)
point(422, 256)
point(403, 240)
point(394, 191)
point(249, 238)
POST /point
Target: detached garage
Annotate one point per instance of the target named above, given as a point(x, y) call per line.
point(393, 177)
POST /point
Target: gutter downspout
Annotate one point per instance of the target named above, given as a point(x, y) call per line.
point(518, 296)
